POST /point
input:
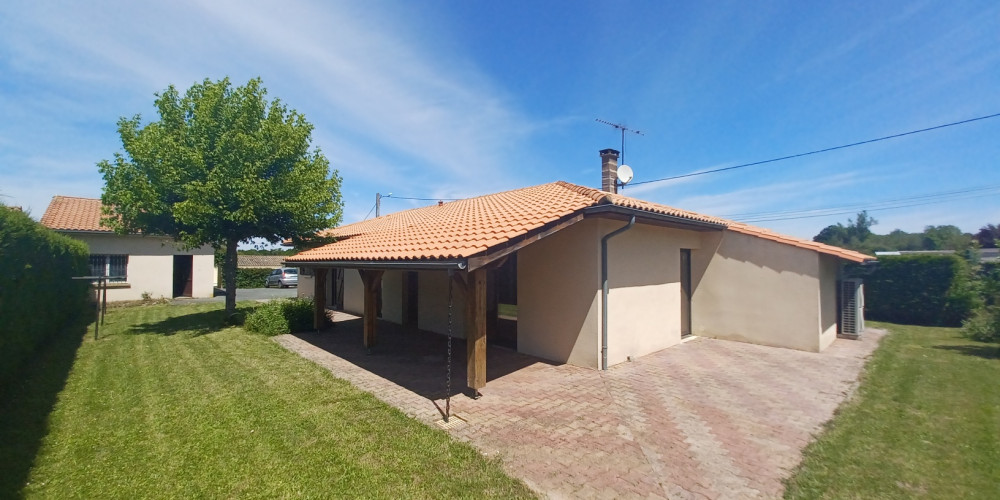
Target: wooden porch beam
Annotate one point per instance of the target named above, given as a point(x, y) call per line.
point(319, 297)
point(371, 280)
point(475, 336)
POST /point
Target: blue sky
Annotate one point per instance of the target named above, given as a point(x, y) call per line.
point(453, 99)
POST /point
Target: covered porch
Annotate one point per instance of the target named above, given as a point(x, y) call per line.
point(387, 317)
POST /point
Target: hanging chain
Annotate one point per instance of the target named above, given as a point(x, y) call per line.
point(447, 410)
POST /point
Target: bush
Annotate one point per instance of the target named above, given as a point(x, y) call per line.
point(932, 290)
point(251, 278)
point(281, 316)
point(38, 297)
point(984, 325)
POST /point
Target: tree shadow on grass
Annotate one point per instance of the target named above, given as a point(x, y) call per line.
point(193, 324)
point(986, 351)
point(25, 404)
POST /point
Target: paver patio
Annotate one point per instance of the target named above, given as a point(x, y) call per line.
point(704, 419)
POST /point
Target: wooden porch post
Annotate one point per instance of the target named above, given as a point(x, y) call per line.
point(475, 336)
point(319, 297)
point(371, 281)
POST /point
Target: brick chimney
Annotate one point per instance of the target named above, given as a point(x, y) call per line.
point(609, 170)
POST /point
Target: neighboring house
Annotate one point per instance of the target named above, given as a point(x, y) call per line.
point(528, 272)
point(139, 264)
point(259, 261)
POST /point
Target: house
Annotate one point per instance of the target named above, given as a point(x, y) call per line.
point(578, 275)
point(137, 264)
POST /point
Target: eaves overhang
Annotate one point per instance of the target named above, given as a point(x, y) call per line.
point(411, 265)
point(645, 216)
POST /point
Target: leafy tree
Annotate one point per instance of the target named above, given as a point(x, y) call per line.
point(221, 166)
point(988, 236)
point(852, 236)
point(860, 228)
point(946, 238)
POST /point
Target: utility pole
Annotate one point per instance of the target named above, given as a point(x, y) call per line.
point(378, 203)
point(624, 129)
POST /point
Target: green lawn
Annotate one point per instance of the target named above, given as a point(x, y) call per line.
point(924, 424)
point(168, 405)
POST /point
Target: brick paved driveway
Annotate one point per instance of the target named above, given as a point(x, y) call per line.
point(707, 418)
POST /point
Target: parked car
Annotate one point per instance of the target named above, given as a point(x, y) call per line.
point(284, 277)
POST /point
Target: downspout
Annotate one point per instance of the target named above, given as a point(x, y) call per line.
point(604, 292)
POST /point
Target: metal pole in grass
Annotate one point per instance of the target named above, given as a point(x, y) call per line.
point(101, 288)
point(447, 404)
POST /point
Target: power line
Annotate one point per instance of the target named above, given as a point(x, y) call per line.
point(942, 194)
point(872, 208)
point(824, 150)
point(369, 213)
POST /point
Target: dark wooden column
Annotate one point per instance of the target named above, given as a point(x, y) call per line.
point(475, 330)
point(371, 280)
point(319, 297)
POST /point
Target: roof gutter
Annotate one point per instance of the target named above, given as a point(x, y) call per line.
point(673, 220)
point(604, 291)
point(432, 265)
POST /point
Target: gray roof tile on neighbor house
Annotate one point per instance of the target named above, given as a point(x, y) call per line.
point(260, 261)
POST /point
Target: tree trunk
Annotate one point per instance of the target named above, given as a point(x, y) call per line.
point(229, 274)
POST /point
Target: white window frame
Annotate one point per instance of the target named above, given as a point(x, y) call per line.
point(110, 265)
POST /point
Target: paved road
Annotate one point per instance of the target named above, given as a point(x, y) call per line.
point(258, 294)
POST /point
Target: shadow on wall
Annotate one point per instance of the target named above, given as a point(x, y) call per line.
point(413, 359)
point(25, 404)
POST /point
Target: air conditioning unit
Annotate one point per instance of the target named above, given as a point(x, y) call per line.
point(852, 308)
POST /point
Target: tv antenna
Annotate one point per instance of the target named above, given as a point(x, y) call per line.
point(624, 129)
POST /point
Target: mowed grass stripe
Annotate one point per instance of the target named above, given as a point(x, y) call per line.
point(924, 424)
point(163, 407)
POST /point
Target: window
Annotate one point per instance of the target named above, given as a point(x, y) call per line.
point(110, 265)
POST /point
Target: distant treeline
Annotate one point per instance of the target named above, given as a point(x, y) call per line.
point(857, 235)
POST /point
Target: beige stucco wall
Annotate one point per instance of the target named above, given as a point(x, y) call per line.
point(829, 267)
point(354, 292)
point(558, 299)
point(392, 296)
point(305, 288)
point(432, 305)
point(644, 291)
point(151, 265)
point(756, 290)
point(559, 292)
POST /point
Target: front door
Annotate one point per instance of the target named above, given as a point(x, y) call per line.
point(183, 270)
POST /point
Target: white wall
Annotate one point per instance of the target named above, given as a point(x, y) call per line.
point(757, 290)
point(151, 265)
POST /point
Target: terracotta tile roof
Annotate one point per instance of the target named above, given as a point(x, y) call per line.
point(68, 213)
point(464, 228)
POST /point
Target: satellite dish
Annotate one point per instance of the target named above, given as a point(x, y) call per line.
point(624, 174)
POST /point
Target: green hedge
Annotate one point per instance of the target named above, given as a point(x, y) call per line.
point(251, 278)
point(932, 290)
point(281, 316)
point(38, 298)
